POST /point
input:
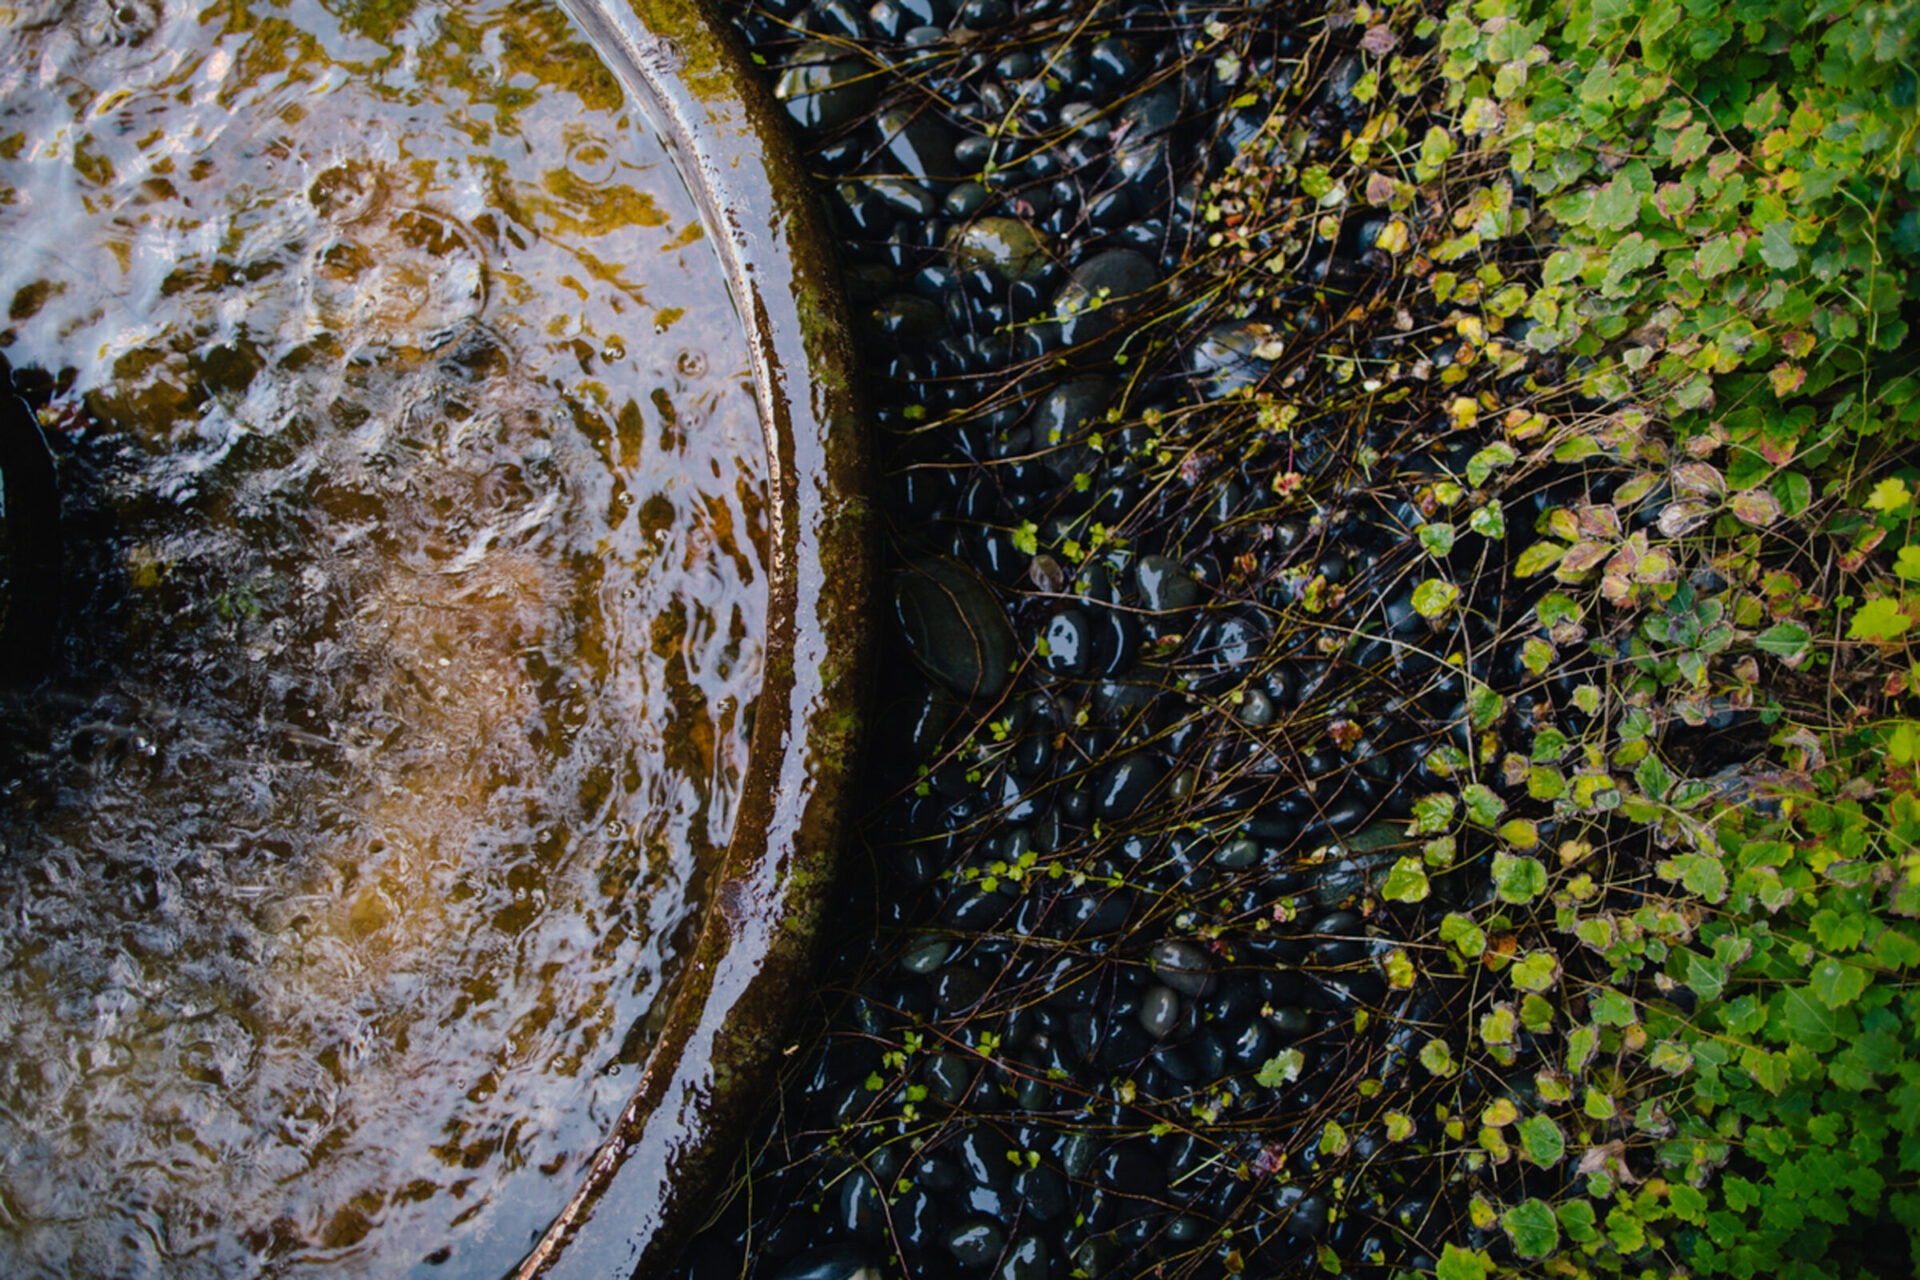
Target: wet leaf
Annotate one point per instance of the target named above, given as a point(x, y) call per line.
point(1541, 1141)
point(1678, 518)
point(1532, 1228)
point(1463, 935)
point(1434, 597)
point(1536, 971)
point(1538, 558)
point(1283, 1068)
point(1405, 882)
point(1437, 1058)
point(1518, 879)
point(1437, 537)
point(1757, 507)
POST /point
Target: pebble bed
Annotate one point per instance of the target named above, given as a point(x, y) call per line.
point(1118, 993)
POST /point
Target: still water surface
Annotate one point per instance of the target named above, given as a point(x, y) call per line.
point(414, 616)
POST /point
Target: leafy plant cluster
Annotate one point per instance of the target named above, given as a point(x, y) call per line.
point(1713, 964)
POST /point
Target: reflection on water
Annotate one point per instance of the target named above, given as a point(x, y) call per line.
point(413, 617)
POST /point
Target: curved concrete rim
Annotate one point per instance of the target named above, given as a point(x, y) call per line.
point(706, 1078)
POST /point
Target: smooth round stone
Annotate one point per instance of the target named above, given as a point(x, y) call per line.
point(954, 625)
point(958, 988)
point(1164, 585)
point(926, 957)
point(1121, 786)
point(837, 1263)
point(1026, 1259)
point(948, 1077)
point(927, 13)
point(1069, 407)
point(1041, 1192)
point(854, 1206)
point(976, 1243)
point(1148, 115)
point(1159, 1010)
point(918, 144)
point(835, 18)
point(1097, 1256)
point(1069, 637)
point(1117, 637)
point(909, 198)
point(1101, 293)
point(1290, 1021)
point(1256, 709)
point(923, 36)
point(967, 199)
point(888, 18)
point(823, 88)
point(908, 316)
point(1182, 966)
point(1006, 246)
point(1234, 357)
point(1113, 62)
point(1238, 854)
point(978, 15)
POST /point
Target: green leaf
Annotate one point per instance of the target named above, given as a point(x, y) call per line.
point(1889, 495)
point(1484, 705)
point(1836, 982)
point(1582, 1043)
point(1437, 1058)
point(1616, 206)
point(1808, 1020)
point(1532, 1228)
point(1702, 874)
point(1557, 607)
point(1776, 246)
point(1706, 977)
point(1578, 1219)
point(1539, 558)
point(1483, 807)
point(1536, 971)
point(1689, 144)
point(1462, 934)
point(1878, 619)
point(1283, 1068)
point(1437, 537)
point(1518, 879)
point(1610, 1008)
point(1431, 813)
point(1541, 1141)
point(1716, 257)
point(1784, 640)
point(1489, 521)
point(1463, 1264)
point(1561, 266)
point(1434, 597)
point(1406, 882)
point(1488, 460)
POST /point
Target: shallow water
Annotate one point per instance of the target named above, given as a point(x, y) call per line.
point(414, 615)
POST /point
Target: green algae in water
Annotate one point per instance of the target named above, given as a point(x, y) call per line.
point(409, 638)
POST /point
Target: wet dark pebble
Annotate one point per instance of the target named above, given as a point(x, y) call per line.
point(1128, 861)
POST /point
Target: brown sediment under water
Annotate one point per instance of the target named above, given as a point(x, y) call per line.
point(414, 617)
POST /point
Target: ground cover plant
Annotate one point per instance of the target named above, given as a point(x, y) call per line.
point(1417, 772)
